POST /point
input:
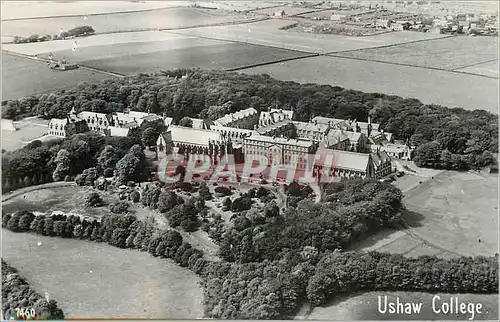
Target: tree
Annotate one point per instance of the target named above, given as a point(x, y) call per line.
point(63, 165)
point(25, 221)
point(119, 207)
point(108, 158)
point(133, 166)
point(428, 155)
point(186, 121)
point(204, 191)
point(149, 137)
point(93, 199)
point(227, 204)
point(135, 196)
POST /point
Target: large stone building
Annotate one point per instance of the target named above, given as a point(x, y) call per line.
point(185, 140)
point(279, 150)
point(346, 164)
point(66, 127)
point(313, 131)
point(273, 116)
point(280, 128)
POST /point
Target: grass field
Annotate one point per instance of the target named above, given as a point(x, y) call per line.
point(487, 69)
point(267, 33)
point(24, 77)
point(430, 86)
point(70, 200)
point(161, 18)
point(95, 280)
point(365, 307)
point(28, 129)
point(445, 53)
point(23, 9)
point(326, 14)
point(224, 56)
point(96, 40)
point(457, 210)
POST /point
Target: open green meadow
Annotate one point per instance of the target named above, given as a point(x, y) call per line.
point(24, 77)
point(95, 280)
point(430, 86)
point(446, 53)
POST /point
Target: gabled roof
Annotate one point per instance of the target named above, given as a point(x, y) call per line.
point(379, 158)
point(343, 135)
point(273, 126)
point(283, 141)
point(333, 121)
point(229, 118)
point(193, 136)
point(199, 124)
point(167, 121)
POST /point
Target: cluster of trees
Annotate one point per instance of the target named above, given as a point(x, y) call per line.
point(349, 272)
point(16, 293)
point(351, 210)
point(211, 94)
point(120, 230)
point(75, 32)
point(94, 155)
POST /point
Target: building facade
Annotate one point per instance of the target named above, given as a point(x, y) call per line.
point(66, 127)
point(244, 119)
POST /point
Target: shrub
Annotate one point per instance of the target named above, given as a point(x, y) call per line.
point(93, 199)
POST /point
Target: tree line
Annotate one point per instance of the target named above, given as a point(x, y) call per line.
point(469, 136)
point(74, 32)
point(17, 293)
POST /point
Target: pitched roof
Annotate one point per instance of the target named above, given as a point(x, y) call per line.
point(348, 160)
point(229, 118)
point(167, 121)
point(193, 136)
point(343, 135)
point(333, 121)
point(198, 124)
point(277, 140)
point(306, 126)
point(273, 126)
point(379, 158)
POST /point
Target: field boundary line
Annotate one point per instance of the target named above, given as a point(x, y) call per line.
point(8, 52)
point(387, 46)
point(408, 65)
point(270, 63)
point(470, 65)
point(243, 42)
point(93, 14)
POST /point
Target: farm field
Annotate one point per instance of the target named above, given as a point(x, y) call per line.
point(176, 17)
point(430, 86)
point(96, 40)
point(326, 14)
point(236, 5)
point(26, 10)
point(445, 53)
point(267, 33)
point(135, 48)
point(24, 77)
point(486, 69)
point(365, 307)
point(225, 56)
point(96, 280)
point(289, 10)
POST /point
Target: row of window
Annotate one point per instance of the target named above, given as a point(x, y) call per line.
point(56, 133)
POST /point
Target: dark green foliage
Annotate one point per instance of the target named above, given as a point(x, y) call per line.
point(350, 272)
point(204, 191)
point(227, 204)
point(133, 166)
point(93, 199)
point(184, 215)
point(135, 196)
point(17, 293)
point(119, 207)
point(224, 191)
point(241, 204)
point(186, 121)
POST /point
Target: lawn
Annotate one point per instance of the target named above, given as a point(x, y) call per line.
point(95, 280)
point(365, 307)
point(430, 86)
point(28, 129)
point(162, 18)
point(70, 200)
point(24, 77)
point(223, 56)
point(267, 33)
point(289, 10)
point(486, 69)
point(445, 53)
point(457, 210)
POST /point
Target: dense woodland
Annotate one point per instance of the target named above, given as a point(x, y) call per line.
point(449, 138)
point(16, 293)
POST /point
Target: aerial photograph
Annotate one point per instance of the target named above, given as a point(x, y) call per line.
point(250, 160)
